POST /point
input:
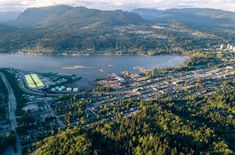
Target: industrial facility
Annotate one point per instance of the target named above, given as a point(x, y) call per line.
point(229, 47)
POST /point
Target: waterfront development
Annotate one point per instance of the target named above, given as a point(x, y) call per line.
point(82, 81)
point(89, 68)
point(49, 98)
point(40, 90)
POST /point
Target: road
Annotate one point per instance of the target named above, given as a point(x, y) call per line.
point(11, 111)
point(57, 118)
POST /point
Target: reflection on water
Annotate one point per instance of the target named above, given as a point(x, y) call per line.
point(88, 67)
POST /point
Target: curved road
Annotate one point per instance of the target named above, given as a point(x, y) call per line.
point(11, 111)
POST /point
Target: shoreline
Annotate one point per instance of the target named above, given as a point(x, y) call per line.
point(90, 55)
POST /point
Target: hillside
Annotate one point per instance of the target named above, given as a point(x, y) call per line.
point(5, 29)
point(161, 127)
point(66, 16)
point(33, 16)
point(79, 30)
point(196, 17)
point(6, 17)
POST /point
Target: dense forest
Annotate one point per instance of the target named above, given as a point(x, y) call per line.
point(7, 140)
point(193, 126)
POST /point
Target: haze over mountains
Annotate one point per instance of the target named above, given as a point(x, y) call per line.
point(190, 16)
point(64, 14)
point(8, 16)
point(60, 16)
point(67, 28)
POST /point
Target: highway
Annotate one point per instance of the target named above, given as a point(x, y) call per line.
point(11, 111)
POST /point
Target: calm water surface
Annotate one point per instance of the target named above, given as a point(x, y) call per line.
point(88, 67)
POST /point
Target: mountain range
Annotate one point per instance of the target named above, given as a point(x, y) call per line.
point(64, 28)
point(66, 16)
point(195, 17)
point(6, 17)
point(60, 15)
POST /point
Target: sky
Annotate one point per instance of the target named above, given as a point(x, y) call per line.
point(20, 5)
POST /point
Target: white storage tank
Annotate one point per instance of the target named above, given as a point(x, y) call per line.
point(69, 89)
point(75, 89)
point(231, 47)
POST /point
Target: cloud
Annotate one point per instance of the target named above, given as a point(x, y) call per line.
point(120, 4)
